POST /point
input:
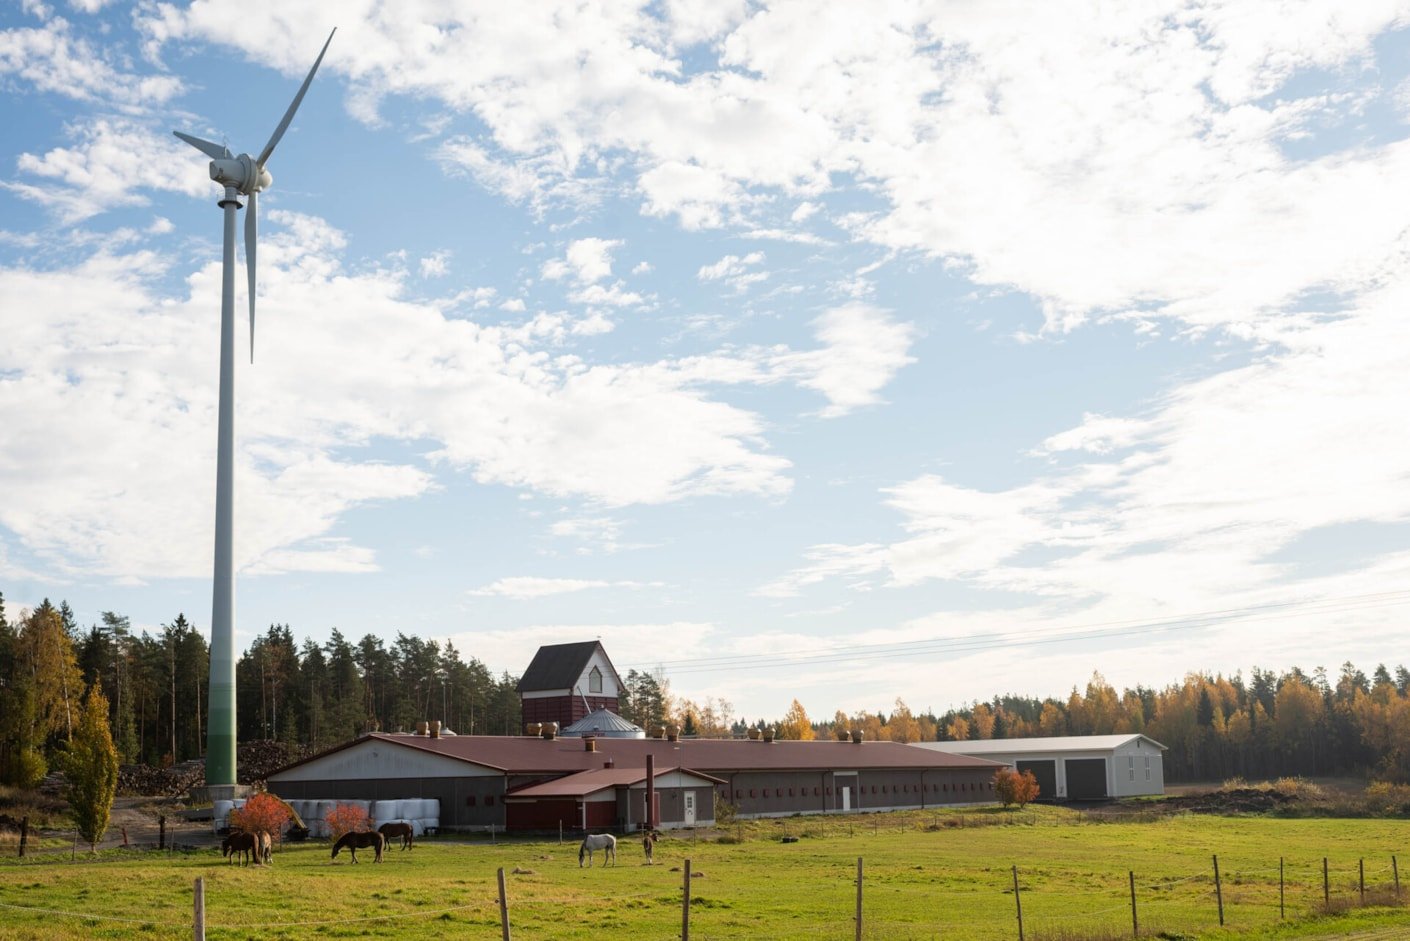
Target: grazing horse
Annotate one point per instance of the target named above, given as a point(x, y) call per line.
point(264, 850)
point(242, 844)
point(393, 830)
point(598, 841)
point(360, 839)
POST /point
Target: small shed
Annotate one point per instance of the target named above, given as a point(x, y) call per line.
point(1075, 767)
point(612, 798)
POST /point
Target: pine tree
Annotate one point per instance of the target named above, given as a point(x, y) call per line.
point(91, 766)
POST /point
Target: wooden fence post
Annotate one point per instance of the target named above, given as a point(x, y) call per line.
point(685, 903)
point(1361, 878)
point(1326, 886)
point(859, 899)
point(503, 908)
point(1135, 926)
point(1282, 908)
point(24, 835)
point(199, 924)
point(1018, 903)
point(1219, 890)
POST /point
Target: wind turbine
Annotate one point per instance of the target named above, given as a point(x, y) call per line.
point(241, 176)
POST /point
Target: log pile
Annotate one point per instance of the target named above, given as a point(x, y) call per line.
point(255, 761)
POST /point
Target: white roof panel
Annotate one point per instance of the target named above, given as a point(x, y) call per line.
point(997, 746)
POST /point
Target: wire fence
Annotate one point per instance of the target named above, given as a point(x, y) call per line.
point(892, 903)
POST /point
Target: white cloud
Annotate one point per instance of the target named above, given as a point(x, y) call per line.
point(862, 350)
point(79, 181)
point(735, 271)
point(435, 265)
point(524, 587)
point(52, 59)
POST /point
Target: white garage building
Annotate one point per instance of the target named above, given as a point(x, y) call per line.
point(1075, 767)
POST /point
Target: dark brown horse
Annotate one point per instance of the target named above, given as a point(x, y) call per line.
point(360, 839)
point(242, 844)
point(393, 830)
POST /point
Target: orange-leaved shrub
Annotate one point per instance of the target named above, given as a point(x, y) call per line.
point(263, 813)
point(1014, 788)
point(345, 818)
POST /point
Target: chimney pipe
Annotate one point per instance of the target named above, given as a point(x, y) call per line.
point(651, 822)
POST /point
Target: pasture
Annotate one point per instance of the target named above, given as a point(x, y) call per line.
point(921, 881)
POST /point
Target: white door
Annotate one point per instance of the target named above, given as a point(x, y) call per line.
point(846, 798)
point(690, 808)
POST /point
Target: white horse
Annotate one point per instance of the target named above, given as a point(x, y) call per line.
point(598, 841)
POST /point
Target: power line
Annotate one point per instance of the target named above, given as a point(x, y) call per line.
point(1033, 636)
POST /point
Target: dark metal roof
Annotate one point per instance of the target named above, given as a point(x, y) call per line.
point(528, 755)
point(558, 666)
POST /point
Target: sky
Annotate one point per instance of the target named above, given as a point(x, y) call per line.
point(835, 351)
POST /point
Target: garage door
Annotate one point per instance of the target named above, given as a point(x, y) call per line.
point(1086, 778)
point(1046, 773)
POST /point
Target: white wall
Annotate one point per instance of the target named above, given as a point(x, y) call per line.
point(381, 759)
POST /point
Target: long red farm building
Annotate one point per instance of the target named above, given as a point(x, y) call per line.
point(587, 767)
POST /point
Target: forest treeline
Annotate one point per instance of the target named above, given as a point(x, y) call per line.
point(156, 686)
point(1270, 724)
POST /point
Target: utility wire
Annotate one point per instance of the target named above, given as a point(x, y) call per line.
point(1032, 636)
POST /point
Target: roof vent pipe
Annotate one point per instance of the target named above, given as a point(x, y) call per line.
point(549, 730)
point(435, 728)
point(857, 736)
point(589, 743)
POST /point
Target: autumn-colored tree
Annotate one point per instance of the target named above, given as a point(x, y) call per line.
point(263, 813)
point(91, 767)
point(346, 818)
point(795, 724)
point(1014, 788)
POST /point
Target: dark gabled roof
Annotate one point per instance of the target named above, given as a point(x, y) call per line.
point(558, 666)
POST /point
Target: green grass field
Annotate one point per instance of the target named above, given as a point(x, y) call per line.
point(946, 882)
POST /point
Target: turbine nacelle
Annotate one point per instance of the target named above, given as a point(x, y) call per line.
point(241, 172)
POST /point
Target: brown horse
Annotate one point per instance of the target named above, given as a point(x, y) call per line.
point(360, 839)
point(393, 830)
point(242, 844)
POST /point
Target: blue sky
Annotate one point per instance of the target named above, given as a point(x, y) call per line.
point(966, 350)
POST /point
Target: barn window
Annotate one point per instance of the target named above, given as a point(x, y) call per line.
point(595, 681)
point(470, 801)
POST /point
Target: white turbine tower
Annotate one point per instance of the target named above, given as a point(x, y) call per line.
point(241, 176)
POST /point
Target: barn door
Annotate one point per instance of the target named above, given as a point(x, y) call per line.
point(690, 808)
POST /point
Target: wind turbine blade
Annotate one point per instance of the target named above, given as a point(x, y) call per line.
point(251, 232)
point(214, 151)
point(289, 115)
